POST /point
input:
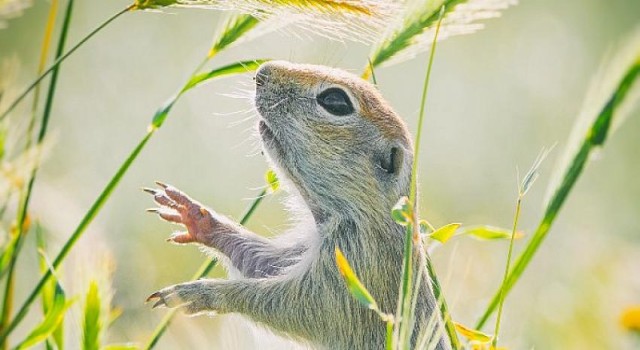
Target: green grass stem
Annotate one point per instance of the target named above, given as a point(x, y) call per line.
point(494, 342)
point(412, 232)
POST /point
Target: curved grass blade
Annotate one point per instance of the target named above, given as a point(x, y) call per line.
point(59, 60)
point(593, 138)
point(486, 232)
point(472, 334)
point(356, 288)
point(444, 233)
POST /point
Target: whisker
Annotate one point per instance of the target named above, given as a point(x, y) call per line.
point(279, 102)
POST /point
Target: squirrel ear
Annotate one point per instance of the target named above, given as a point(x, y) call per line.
point(393, 160)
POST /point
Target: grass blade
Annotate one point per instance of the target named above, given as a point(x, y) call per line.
point(59, 59)
point(486, 232)
point(594, 137)
point(356, 288)
point(516, 216)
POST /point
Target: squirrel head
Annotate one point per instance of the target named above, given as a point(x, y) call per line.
point(334, 137)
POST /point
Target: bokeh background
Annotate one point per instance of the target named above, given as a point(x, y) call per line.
point(496, 98)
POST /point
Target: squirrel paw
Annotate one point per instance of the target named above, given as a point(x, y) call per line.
point(178, 208)
point(193, 297)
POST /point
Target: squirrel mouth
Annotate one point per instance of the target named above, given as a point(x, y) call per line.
point(265, 131)
point(268, 138)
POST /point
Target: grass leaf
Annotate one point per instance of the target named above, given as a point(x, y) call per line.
point(272, 180)
point(356, 288)
point(472, 334)
point(486, 232)
point(445, 232)
point(402, 212)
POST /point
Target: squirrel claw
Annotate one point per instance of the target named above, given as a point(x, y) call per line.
point(150, 190)
point(159, 303)
point(153, 296)
point(181, 238)
point(162, 184)
point(158, 298)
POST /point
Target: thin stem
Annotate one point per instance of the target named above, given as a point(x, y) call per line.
point(506, 272)
point(25, 198)
point(59, 60)
point(202, 271)
point(413, 234)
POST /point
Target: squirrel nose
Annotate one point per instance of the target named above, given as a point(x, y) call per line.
point(262, 75)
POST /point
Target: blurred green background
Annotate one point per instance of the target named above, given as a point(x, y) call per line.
point(496, 98)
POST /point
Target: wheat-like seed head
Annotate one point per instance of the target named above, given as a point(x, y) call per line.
point(356, 20)
point(414, 32)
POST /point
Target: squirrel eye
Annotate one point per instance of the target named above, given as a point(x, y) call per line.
point(335, 101)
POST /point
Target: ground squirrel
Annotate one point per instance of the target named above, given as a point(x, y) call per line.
point(344, 156)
